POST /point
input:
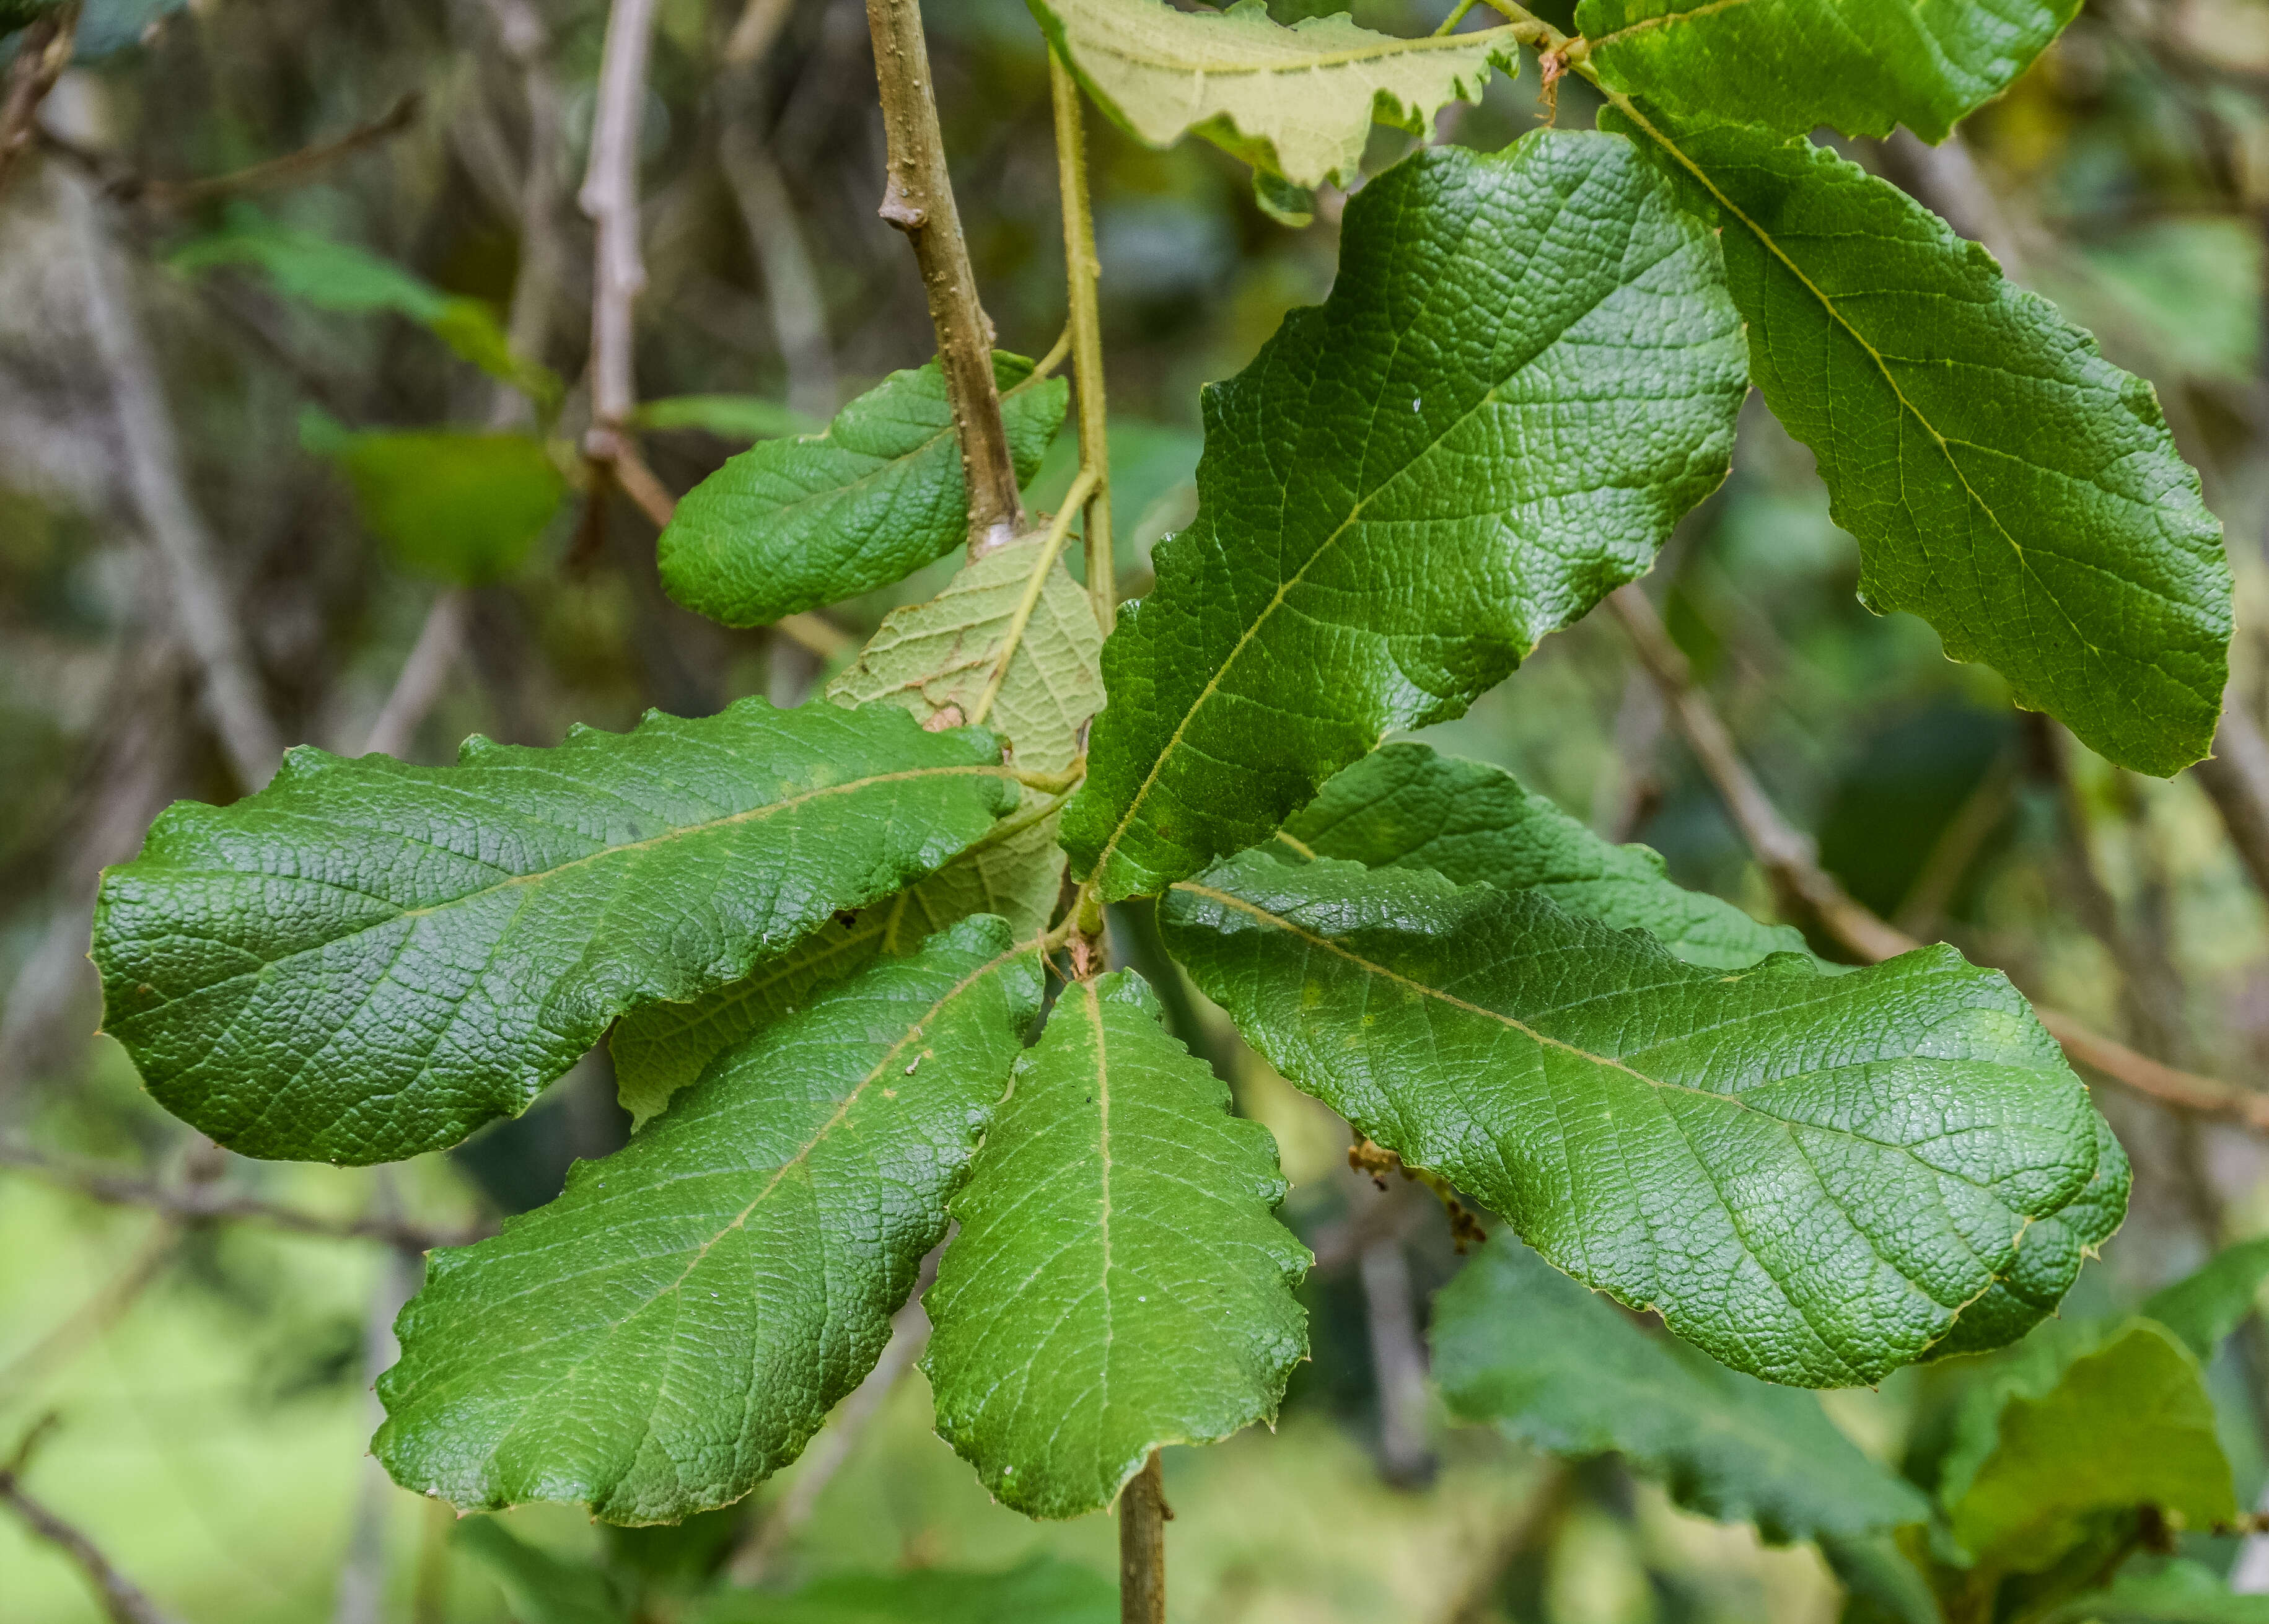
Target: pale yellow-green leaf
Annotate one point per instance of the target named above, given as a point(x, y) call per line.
point(933, 658)
point(1297, 103)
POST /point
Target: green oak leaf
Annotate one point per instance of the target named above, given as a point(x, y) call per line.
point(1518, 1343)
point(1404, 806)
point(2082, 1423)
point(539, 1587)
point(2005, 481)
point(2178, 1592)
point(2204, 1307)
point(1806, 1176)
point(1862, 66)
point(674, 1327)
point(1042, 1590)
point(791, 524)
point(1296, 103)
point(2026, 1290)
point(1120, 1281)
point(367, 959)
point(933, 659)
point(1527, 371)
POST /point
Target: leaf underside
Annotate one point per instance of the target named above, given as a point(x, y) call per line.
point(1297, 103)
point(1860, 65)
point(1526, 373)
point(676, 1327)
point(1518, 1343)
point(1807, 1175)
point(2005, 481)
point(368, 960)
point(789, 525)
point(932, 659)
point(1118, 1282)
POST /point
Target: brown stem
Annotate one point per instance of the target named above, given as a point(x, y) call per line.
point(1081, 268)
point(424, 675)
point(202, 1202)
point(41, 54)
point(121, 1598)
point(1787, 857)
point(202, 598)
point(1143, 1516)
point(2235, 777)
point(918, 200)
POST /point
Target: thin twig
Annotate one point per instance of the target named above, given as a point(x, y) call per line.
point(610, 198)
point(1787, 858)
point(121, 1598)
point(1142, 1518)
point(89, 1319)
point(1398, 1358)
point(41, 54)
point(838, 1440)
point(288, 170)
point(424, 675)
point(1081, 268)
point(544, 253)
point(918, 200)
point(201, 595)
point(752, 36)
point(201, 1203)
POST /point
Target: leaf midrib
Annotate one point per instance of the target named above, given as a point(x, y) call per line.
point(1739, 1102)
point(819, 1136)
point(1624, 105)
point(1355, 512)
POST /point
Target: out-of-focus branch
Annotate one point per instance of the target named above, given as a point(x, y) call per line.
point(918, 200)
point(1787, 859)
point(752, 36)
point(792, 286)
point(200, 593)
point(1944, 179)
point(42, 55)
point(1398, 1358)
point(544, 253)
point(610, 198)
point(121, 1598)
point(198, 1202)
point(757, 1556)
point(2235, 777)
point(423, 675)
point(130, 185)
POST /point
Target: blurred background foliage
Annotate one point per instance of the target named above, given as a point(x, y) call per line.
point(316, 325)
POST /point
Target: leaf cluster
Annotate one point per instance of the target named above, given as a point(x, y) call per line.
point(818, 940)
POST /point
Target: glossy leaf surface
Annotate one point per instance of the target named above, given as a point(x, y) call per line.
point(933, 659)
point(676, 1327)
point(1297, 103)
point(1526, 373)
point(1518, 1343)
point(367, 959)
point(791, 524)
point(1119, 1280)
point(1806, 1176)
point(1404, 806)
point(2006, 482)
point(1860, 65)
